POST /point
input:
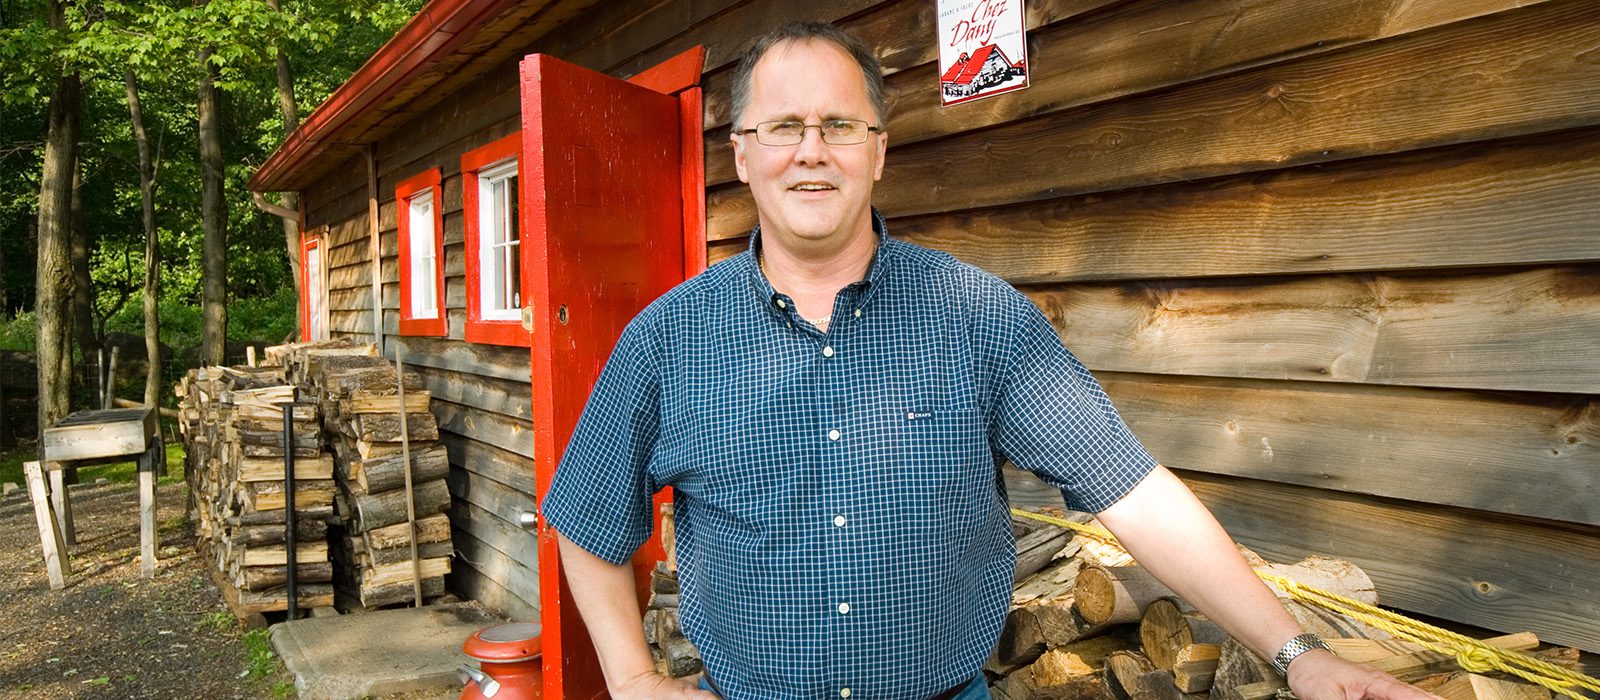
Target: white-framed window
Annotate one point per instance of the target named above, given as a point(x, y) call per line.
point(424, 256)
point(316, 294)
point(499, 243)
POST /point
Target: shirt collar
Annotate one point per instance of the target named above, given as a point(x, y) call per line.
point(877, 270)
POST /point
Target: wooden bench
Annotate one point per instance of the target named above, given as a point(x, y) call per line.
point(84, 439)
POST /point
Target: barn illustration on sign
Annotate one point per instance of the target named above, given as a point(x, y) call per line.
point(985, 68)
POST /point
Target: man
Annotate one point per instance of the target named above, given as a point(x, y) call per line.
point(831, 408)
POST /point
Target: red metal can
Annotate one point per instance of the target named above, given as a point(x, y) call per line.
point(509, 659)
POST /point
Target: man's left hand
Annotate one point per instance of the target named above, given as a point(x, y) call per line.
point(1321, 675)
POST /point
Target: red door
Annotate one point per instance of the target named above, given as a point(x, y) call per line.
point(613, 210)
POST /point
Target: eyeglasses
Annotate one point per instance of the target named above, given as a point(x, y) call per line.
point(835, 132)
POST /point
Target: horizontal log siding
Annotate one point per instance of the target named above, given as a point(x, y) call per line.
point(1339, 251)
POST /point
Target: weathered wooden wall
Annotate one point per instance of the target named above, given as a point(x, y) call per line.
point(1336, 260)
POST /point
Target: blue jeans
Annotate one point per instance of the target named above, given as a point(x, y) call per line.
point(978, 689)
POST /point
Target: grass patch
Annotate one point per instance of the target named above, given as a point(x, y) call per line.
point(220, 620)
point(120, 472)
point(260, 662)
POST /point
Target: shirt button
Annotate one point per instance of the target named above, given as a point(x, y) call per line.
point(838, 521)
point(782, 304)
point(844, 608)
point(858, 315)
point(827, 351)
point(833, 434)
point(844, 692)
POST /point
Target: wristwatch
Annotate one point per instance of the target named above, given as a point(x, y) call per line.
point(1295, 647)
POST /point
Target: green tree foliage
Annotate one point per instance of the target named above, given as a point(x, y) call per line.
point(326, 41)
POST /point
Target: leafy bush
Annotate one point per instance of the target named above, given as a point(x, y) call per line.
point(19, 332)
point(266, 318)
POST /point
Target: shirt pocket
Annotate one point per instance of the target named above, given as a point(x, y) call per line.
point(941, 457)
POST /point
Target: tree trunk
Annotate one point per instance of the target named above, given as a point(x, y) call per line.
point(290, 200)
point(152, 246)
point(89, 345)
point(214, 212)
point(53, 277)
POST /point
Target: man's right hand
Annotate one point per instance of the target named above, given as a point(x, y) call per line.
point(651, 686)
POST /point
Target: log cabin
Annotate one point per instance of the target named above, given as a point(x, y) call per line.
point(1336, 261)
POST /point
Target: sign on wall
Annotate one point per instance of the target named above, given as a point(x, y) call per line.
point(983, 50)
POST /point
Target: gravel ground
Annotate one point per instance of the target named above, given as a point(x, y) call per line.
point(111, 633)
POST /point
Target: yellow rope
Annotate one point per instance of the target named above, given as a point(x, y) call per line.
point(1471, 654)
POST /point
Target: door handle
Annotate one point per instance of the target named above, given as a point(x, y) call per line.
point(527, 318)
point(527, 519)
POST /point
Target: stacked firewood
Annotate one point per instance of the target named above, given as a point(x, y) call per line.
point(674, 655)
point(232, 419)
point(1087, 622)
point(361, 405)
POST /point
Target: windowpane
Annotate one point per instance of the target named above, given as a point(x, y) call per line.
point(424, 274)
point(316, 295)
point(499, 261)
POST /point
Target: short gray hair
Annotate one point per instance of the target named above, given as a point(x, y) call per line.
point(871, 71)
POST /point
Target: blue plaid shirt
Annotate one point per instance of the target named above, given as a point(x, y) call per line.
point(840, 519)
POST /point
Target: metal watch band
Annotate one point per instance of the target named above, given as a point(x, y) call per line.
point(1295, 647)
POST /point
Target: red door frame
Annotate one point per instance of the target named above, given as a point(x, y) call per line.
point(312, 240)
point(571, 669)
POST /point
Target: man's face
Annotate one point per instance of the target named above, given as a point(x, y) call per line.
point(811, 193)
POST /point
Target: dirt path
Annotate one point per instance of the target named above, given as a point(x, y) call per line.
point(111, 633)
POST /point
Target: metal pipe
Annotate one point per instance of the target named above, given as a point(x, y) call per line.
point(288, 506)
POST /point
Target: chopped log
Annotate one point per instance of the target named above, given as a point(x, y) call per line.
point(682, 658)
point(278, 555)
point(1329, 624)
point(1116, 595)
point(402, 554)
point(268, 495)
point(271, 468)
point(1043, 599)
point(1332, 575)
point(428, 463)
point(434, 528)
point(369, 402)
point(311, 595)
point(1238, 667)
point(261, 578)
point(385, 427)
point(1122, 672)
point(375, 379)
point(1036, 549)
point(1471, 686)
point(375, 510)
point(276, 517)
point(661, 581)
point(1160, 685)
point(400, 572)
point(667, 624)
point(651, 624)
point(400, 592)
point(305, 450)
point(1169, 625)
point(1195, 667)
point(1071, 672)
point(305, 529)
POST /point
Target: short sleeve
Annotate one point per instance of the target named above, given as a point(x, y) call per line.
point(600, 495)
point(1052, 418)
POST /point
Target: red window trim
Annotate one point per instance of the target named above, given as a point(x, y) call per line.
point(426, 180)
point(479, 330)
point(309, 240)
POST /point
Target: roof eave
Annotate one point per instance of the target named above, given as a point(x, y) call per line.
point(432, 34)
